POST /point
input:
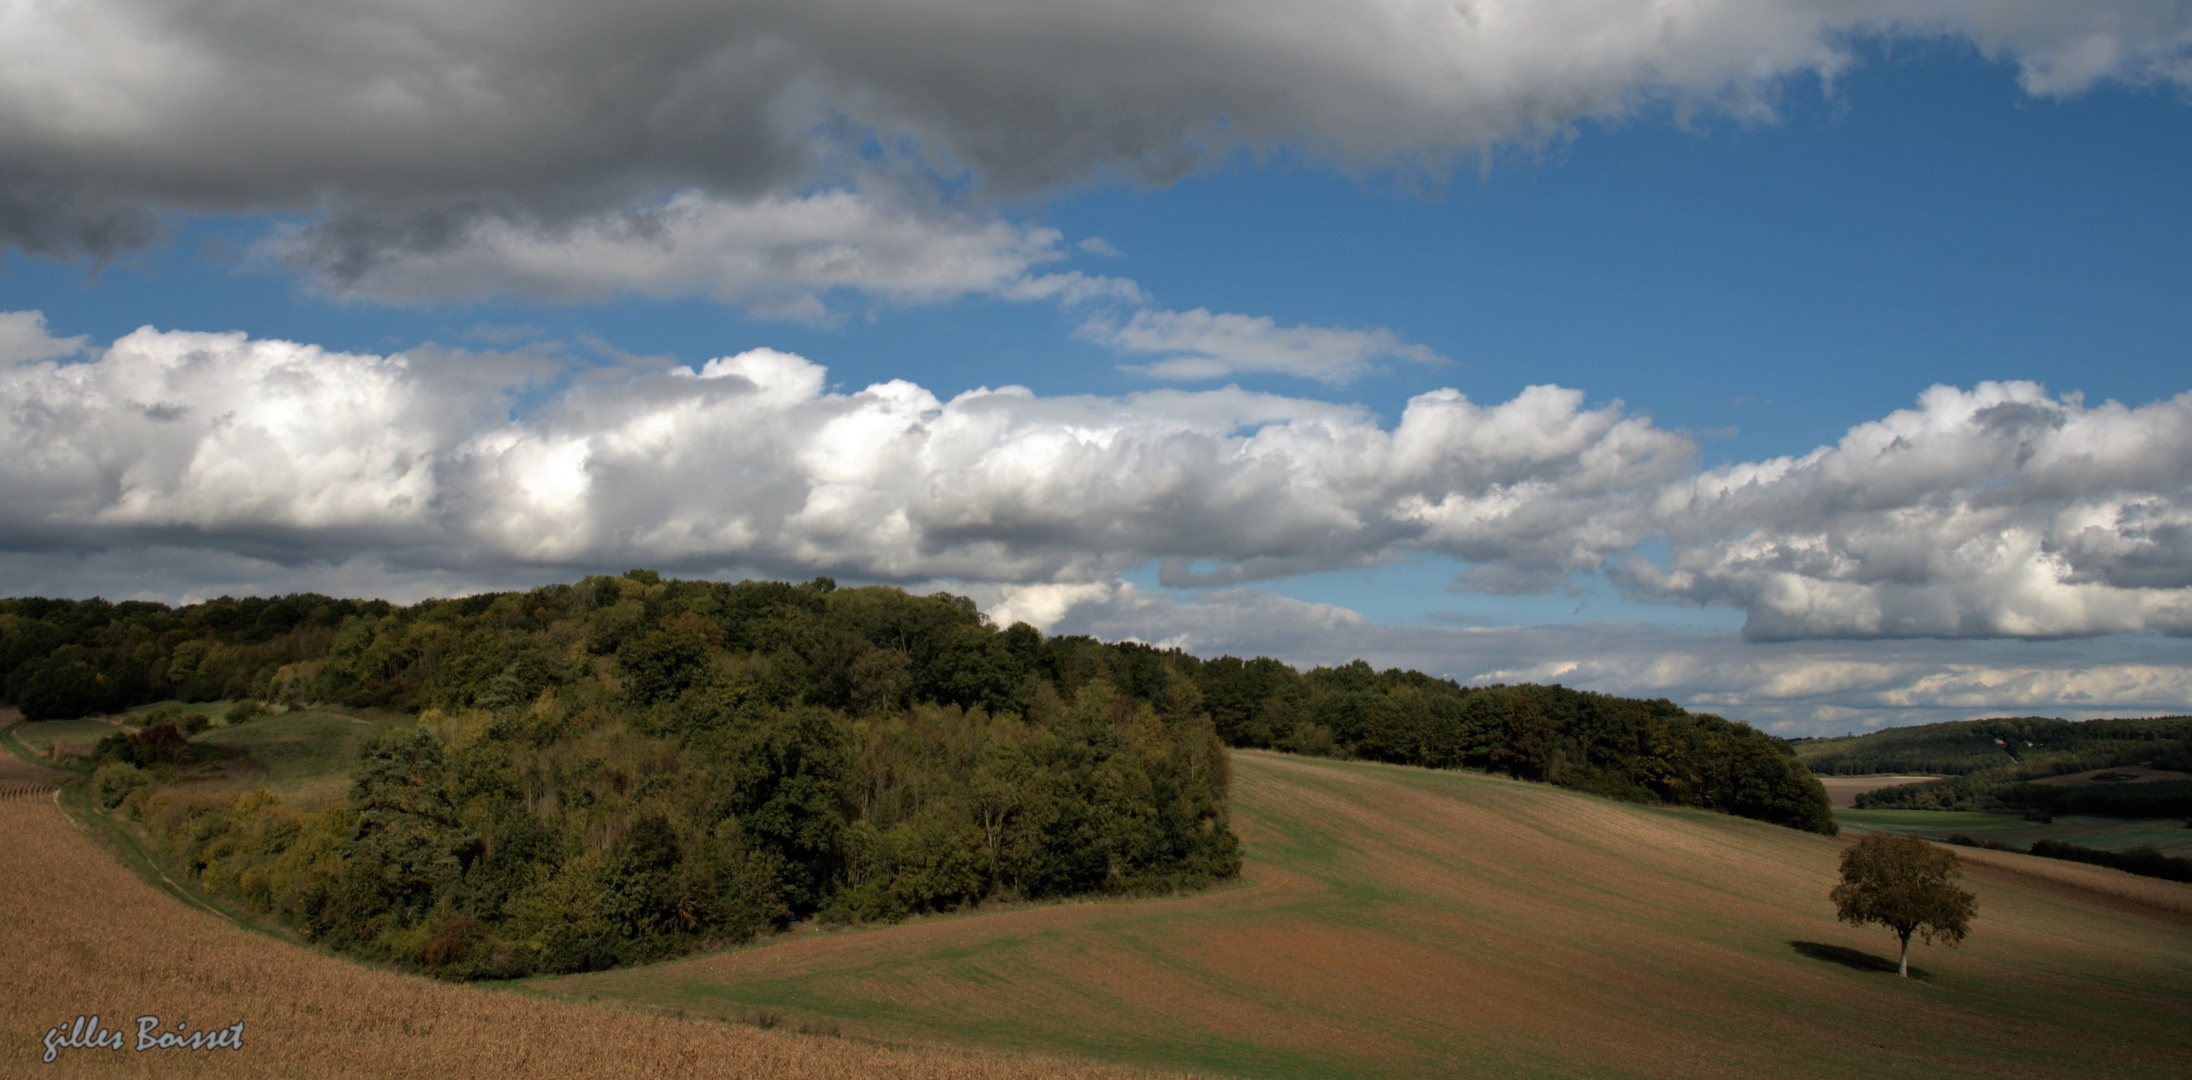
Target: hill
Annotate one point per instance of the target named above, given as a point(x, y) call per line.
point(628, 768)
point(1404, 922)
point(2044, 745)
point(2113, 768)
point(84, 937)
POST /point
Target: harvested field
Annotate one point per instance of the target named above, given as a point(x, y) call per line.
point(83, 936)
point(1842, 791)
point(1401, 922)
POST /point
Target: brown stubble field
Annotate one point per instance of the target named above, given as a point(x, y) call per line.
point(1842, 791)
point(83, 935)
point(1401, 922)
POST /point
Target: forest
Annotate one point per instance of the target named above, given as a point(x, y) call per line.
point(628, 767)
point(1989, 765)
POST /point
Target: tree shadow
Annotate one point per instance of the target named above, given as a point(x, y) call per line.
point(1856, 959)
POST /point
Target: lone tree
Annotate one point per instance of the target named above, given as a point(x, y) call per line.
point(1906, 885)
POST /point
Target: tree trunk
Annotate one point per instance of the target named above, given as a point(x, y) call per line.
point(1905, 971)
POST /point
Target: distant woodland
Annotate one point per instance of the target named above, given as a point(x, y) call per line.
point(1990, 765)
point(628, 767)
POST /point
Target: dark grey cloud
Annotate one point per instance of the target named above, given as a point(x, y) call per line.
point(404, 128)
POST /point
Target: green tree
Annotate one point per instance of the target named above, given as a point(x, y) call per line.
point(1906, 885)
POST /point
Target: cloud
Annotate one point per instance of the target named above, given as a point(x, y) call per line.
point(405, 128)
point(1997, 511)
point(23, 337)
point(1791, 688)
point(1993, 512)
point(1198, 345)
point(776, 256)
point(290, 451)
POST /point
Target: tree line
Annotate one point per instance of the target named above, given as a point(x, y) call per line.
point(2026, 746)
point(1990, 765)
point(626, 767)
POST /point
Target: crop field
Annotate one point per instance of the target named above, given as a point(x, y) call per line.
point(83, 936)
point(1842, 791)
point(1408, 923)
point(2166, 835)
point(20, 777)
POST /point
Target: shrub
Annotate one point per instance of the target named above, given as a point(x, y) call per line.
point(115, 780)
point(242, 711)
point(193, 724)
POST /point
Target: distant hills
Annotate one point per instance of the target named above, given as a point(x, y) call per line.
point(1993, 765)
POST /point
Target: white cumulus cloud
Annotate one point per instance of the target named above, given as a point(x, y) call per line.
point(1994, 511)
point(750, 460)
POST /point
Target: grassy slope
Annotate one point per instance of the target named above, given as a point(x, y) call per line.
point(82, 936)
point(1402, 922)
point(306, 755)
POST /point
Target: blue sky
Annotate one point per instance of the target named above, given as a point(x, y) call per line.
point(1780, 229)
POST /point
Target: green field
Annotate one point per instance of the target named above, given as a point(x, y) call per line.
point(297, 744)
point(75, 737)
point(303, 757)
point(1408, 923)
point(2166, 835)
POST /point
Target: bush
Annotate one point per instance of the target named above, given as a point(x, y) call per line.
point(115, 780)
point(193, 724)
point(242, 711)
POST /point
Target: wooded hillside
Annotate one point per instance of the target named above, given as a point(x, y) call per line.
point(1990, 765)
point(627, 766)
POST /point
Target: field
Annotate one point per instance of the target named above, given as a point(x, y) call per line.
point(84, 936)
point(1842, 791)
point(1401, 922)
point(60, 740)
point(1390, 922)
point(305, 756)
point(2166, 835)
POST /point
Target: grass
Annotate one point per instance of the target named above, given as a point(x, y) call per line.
point(298, 745)
point(2166, 835)
point(1400, 922)
point(75, 738)
point(86, 937)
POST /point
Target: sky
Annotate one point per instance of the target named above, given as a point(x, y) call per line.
point(1820, 364)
